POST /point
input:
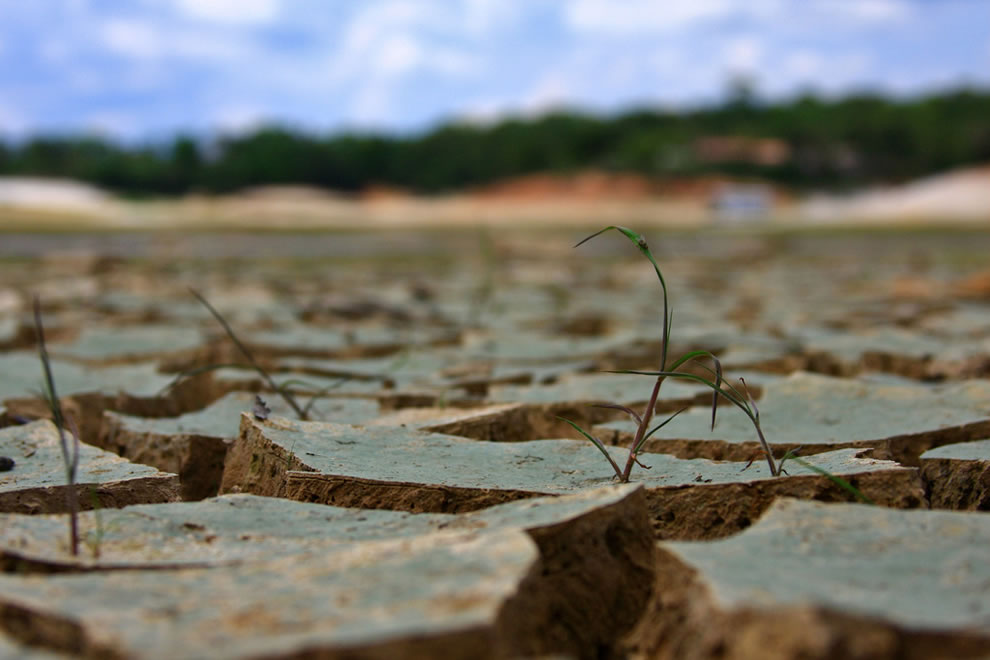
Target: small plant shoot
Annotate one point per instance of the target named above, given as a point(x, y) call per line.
point(282, 390)
point(674, 369)
point(70, 451)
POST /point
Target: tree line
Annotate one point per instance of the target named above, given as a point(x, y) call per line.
point(858, 139)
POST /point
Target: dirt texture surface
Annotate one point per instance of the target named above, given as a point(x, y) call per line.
point(374, 454)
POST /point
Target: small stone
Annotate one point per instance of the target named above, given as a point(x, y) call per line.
point(6, 463)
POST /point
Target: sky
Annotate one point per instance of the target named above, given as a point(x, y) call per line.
point(148, 69)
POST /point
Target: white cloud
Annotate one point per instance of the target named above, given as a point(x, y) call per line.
point(404, 63)
point(388, 43)
point(131, 38)
point(203, 45)
point(230, 11)
point(482, 17)
point(112, 123)
point(483, 112)
point(803, 64)
point(394, 39)
point(632, 17)
point(866, 11)
point(666, 59)
point(372, 103)
point(642, 16)
point(237, 119)
point(825, 73)
point(397, 56)
point(12, 121)
point(143, 40)
point(743, 55)
point(549, 93)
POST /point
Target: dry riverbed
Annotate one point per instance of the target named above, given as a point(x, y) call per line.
point(408, 488)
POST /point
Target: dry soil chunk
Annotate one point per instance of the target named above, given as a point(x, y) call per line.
point(812, 580)
point(194, 445)
point(533, 412)
point(12, 649)
point(626, 389)
point(501, 422)
point(107, 345)
point(894, 350)
point(87, 391)
point(9, 330)
point(401, 469)
point(385, 372)
point(820, 413)
point(361, 341)
point(37, 482)
point(593, 577)
point(480, 589)
point(433, 596)
point(958, 476)
point(21, 376)
point(508, 422)
point(511, 346)
point(299, 384)
point(233, 528)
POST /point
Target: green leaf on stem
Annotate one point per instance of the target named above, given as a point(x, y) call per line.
point(596, 442)
point(834, 478)
point(657, 428)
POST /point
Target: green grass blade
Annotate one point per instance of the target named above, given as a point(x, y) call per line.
point(195, 371)
point(614, 406)
point(657, 428)
point(837, 480)
point(298, 382)
point(69, 456)
point(596, 442)
point(644, 248)
point(718, 387)
point(749, 396)
point(247, 353)
point(319, 394)
point(717, 372)
point(733, 398)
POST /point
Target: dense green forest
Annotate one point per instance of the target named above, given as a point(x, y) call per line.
point(803, 142)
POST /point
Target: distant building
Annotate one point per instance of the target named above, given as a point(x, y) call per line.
point(741, 203)
point(765, 152)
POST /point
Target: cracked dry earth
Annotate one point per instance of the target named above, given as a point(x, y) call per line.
point(432, 503)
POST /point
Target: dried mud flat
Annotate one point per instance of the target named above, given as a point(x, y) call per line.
point(433, 503)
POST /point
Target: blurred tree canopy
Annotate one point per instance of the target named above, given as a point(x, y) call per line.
point(803, 142)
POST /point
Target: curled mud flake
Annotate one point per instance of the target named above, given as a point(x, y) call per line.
point(260, 409)
point(6, 463)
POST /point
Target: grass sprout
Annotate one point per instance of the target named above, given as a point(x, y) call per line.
point(283, 389)
point(94, 537)
point(791, 455)
point(482, 296)
point(302, 413)
point(708, 363)
point(70, 449)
